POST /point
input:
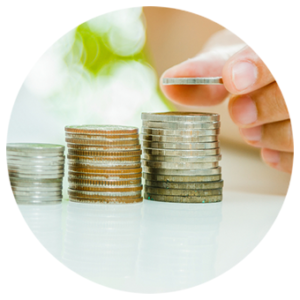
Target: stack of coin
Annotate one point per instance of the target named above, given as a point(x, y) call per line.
point(181, 157)
point(36, 172)
point(104, 163)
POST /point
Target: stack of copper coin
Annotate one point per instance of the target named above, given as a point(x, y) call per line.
point(104, 163)
point(181, 157)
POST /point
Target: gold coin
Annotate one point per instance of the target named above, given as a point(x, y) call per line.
point(106, 200)
point(102, 129)
point(117, 143)
point(104, 153)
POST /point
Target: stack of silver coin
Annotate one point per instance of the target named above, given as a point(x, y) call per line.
point(104, 164)
point(36, 172)
point(181, 155)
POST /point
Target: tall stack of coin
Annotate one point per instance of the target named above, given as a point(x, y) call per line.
point(181, 157)
point(36, 172)
point(104, 163)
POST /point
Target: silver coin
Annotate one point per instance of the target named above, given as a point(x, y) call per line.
point(182, 178)
point(181, 125)
point(43, 188)
point(185, 153)
point(102, 143)
point(185, 185)
point(55, 158)
point(22, 202)
point(189, 199)
point(193, 81)
point(17, 192)
point(38, 198)
point(192, 172)
point(181, 192)
point(179, 165)
point(180, 133)
point(34, 154)
point(190, 159)
point(108, 194)
point(30, 162)
point(36, 176)
point(180, 116)
point(180, 139)
point(34, 147)
point(36, 168)
point(35, 171)
point(27, 181)
point(183, 146)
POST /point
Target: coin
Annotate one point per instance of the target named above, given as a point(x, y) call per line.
point(107, 165)
point(108, 149)
point(107, 200)
point(180, 116)
point(105, 171)
point(105, 154)
point(183, 146)
point(38, 198)
point(181, 192)
point(35, 168)
point(103, 183)
point(104, 189)
point(26, 181)
point(104, 159)
point(102, 137)
point(179, 165)
point(95, 195)
point(102, 129)
point(14, 162)
point(190, 159)
point(181, 125)
point(180, 139)
point(193, 81)
point(102, 143)
point(185, 185)
point(182, 178)
point(182, 133)
point(34, 147)
point(33, 202)
point(34, 189)
point(189, 172)
point(37, 193)
point(184, 153)
point(189, 199)
point(116, 176)
point(36, 175)
point(36, 154)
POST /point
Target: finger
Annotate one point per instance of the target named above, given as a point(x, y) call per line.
point(282, 161)
point(245, 72)
point(207, 64)
point(265, 105)
point(277, 136)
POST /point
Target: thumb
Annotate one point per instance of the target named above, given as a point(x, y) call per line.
point(245, 72)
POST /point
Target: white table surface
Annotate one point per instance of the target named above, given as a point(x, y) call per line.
point(155, 247)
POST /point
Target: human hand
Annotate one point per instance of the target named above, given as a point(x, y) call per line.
point(256, 104)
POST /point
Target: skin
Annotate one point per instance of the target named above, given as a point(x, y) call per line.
point(256, 103)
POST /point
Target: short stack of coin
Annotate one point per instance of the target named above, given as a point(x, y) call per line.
point(36, 172)
point(104, 164)
point(181, 157)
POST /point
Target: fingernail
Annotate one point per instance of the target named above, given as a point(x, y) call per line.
point(243, 110)
point(271, 156)
point(252, 134)
point(244, 75)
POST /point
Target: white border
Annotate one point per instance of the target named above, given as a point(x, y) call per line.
point(29, 27)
